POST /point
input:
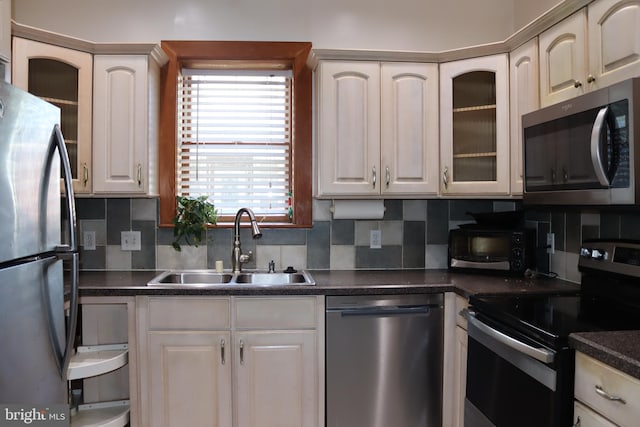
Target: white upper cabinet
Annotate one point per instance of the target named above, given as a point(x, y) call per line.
point(563, 60)
point(593, 48)
point(409, 129)
point(5, 31)
point(349, 128)
point(523, 98)
point(62, 77)
point(474, 126)
point(121, 124)
point(377, 129)
point(614, 41)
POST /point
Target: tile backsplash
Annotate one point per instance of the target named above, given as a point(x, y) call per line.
point(414, 236)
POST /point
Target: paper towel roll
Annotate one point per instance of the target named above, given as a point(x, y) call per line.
point(358, 209)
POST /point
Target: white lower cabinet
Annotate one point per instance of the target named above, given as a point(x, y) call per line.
point(232, 361)
point(604, 395)
point(455, 361)
point(103, 372)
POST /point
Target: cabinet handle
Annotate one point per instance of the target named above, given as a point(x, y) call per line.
point(242, 352)
point(222, 344)
point(139, 175)
point(577, 84)
point(445, 178)
point(578, 423)
point(602, 393)
point(373, 176)
point(591, 79)
point(85, 174)
point(388, 176)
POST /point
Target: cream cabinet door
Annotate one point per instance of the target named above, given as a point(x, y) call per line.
point(62, 77)
point(5, 31)
point(120, 142)
point(409, 129)
point(276, 379)
point(460, 377)
point(474, 126)
point(563, 60)
point(348, 128)
point(523, 98)
point(614, 41)
point(583, 416)
point(189, 375)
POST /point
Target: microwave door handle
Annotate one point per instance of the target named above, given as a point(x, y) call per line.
point(596, 158)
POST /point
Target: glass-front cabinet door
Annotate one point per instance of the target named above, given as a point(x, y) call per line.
point(474, 129)
point(62, 77)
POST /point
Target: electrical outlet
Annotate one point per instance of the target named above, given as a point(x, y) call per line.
point(130, 241)
point(375, 239)
point(89, 240)
point(551, 243)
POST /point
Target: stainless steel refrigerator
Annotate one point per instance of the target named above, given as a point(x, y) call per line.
point(36, 338)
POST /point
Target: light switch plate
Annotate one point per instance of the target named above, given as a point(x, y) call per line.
point(130, 241)
point(375, 239)
point(89, 240)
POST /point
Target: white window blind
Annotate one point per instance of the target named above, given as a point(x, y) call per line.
point(234, 139)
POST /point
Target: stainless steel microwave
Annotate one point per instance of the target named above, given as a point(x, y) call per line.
point(482, 249)
point(582, 151)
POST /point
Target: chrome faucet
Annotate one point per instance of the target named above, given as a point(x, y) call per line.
point(237, 257)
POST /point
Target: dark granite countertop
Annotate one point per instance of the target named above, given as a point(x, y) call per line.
point(619, 349)
point(329, 282)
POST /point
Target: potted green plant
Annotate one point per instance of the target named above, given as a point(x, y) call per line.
point(192, 217)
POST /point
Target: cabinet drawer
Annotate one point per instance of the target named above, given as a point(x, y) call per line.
point(592, 375)
point(585, 417)
point(185, 313)
point(275, 313)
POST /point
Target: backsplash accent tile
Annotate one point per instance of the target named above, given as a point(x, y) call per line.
point(343, 232)
point(385, 257)
point(414, 235)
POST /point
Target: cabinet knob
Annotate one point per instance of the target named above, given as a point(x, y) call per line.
point(591, 79)
point(242, 352)
point(139, 175)
point(222, 356)
point(85, 174)
point(602, 393)
point(577, 83)
point(388, 176)
point(374, 177)
point(445, 178)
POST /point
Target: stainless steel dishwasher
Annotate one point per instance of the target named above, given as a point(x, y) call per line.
point(384, 360)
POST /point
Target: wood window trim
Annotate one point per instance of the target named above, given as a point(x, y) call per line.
point(292, 54)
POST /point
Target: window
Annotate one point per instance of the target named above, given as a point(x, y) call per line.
point(236, 126)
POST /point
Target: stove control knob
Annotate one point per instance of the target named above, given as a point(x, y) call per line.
point(598, 254)
point(585, 252)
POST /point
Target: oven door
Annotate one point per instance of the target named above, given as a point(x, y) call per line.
point(514, 382)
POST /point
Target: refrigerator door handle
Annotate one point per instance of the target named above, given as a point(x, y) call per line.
point(57, 141)
point(70, 251)
point(73, 315)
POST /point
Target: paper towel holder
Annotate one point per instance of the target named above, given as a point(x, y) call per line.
point(358, 209)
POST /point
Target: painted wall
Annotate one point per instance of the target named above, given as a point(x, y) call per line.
point(525, 11)
point(408, 25)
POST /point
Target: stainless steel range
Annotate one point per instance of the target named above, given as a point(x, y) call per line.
point(520, 368)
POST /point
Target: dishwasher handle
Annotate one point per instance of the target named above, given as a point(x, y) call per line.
point(385, 311)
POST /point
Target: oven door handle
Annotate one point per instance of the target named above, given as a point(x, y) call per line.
point(540, 354)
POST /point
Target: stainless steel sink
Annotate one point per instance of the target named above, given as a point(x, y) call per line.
point(192, 277)
point(266, 279)
point(211, 278)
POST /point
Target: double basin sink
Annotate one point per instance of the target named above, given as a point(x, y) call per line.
point(212, 278)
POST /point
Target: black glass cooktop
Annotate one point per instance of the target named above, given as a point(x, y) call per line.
point(609, 299)
point(551, 318)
